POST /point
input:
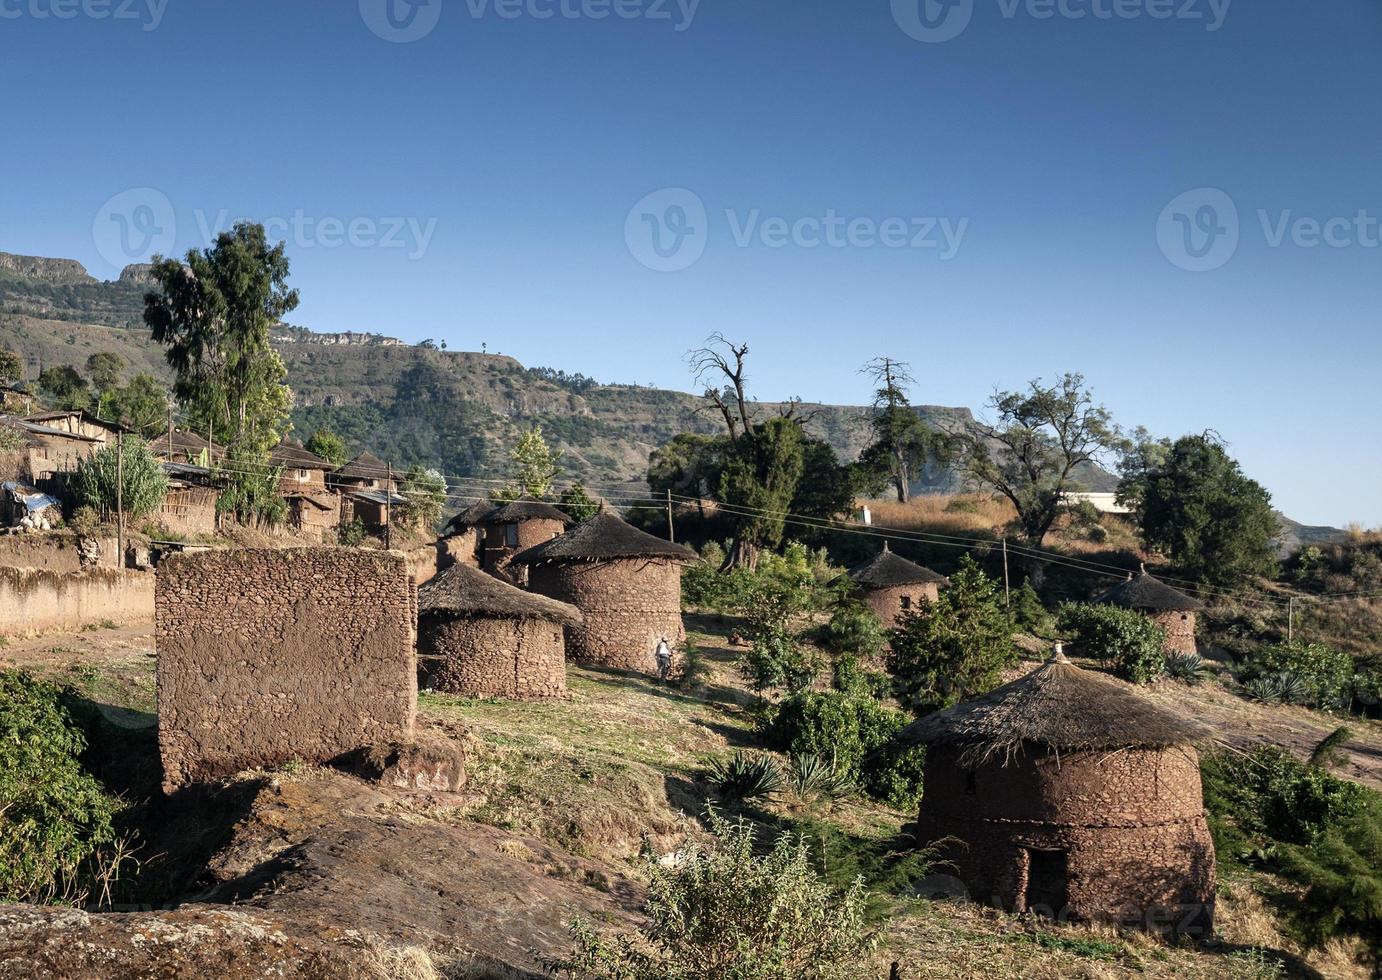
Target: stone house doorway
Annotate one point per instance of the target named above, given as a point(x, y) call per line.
point(1046, 882)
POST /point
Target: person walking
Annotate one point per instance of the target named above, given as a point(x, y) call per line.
point(664, 659)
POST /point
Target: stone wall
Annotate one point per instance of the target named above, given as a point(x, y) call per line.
point(270, 655)
point(460, 549)
point(482, 657)
point(36, 600)
point(1180, 631)
point(889, 604)
point(498, 550)
point(628, 606)
point(1131, 824)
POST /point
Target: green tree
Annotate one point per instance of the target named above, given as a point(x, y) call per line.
point(902, 442)
point(141, 405)
point(11, 366)
point(214, 312)
point(328, 446)
point(1125, 639)
point(953, 648)
point(729, 912)
point(534, 467)
point(104, 369)
point(1216, 525)
point(579, 505)
point(130, 466)
point(1326, 674)
point(425, 492)
point(64, 388)
point(1032, 453)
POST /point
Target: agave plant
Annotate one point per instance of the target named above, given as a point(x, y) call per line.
point(1263, 690)
point(1188, 668)
point(813, 775)
point(1282, 687)
point(746, 776)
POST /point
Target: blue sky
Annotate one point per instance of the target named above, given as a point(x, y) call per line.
point(1027, 197)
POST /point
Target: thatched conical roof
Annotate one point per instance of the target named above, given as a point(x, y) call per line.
point(525, 510)
point(604, 537)
point(1060, 707)
point(1143, 592)
point(470, 517)
point(465, 591)
point(292, 455)
point(888, 570)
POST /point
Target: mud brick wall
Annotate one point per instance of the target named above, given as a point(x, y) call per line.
point(887, 603)
point(1131, 823)
point(1180, 631)
point(628, 606)
point(34, 600)
point(484, 657)
point(530, 533)
point(270, 655)
point(460, 549)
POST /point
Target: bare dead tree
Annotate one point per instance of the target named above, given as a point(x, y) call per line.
point(720, 371)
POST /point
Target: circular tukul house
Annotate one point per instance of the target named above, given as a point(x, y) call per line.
point(1067, 793)
point(893, 585)
point(1173, 611)
point(626, 583)
point(509, 528)
point(480, 637)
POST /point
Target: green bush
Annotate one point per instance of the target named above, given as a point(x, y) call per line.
point(727, 912)
point(857, 733)
point(1126, 640)
point(855, 630)
point(1341, 872)
point(777, 660)
point(56, 821)
point(746, 777)
point(1326, 673)
point(1272, 793)
point(851, 677)
point(133, 467)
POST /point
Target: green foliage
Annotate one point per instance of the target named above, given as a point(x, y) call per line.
point(854, 630)
point(135, 470)
point(1272, 794)
point(11, 366)
point(1029, 613)
point(1282, 687)
point(352, 535)
point(1188, 668)
point(727, 912)
point(328, 446)
point(1341, 872)
point(1042, 436)
point(777, 660)
point(534, 468)
point(850, 676)
point(857, 733)
point(1328, 753)
point(104, 368)
point(954, 648)
point(141, 405)
point(249, 491)
point(1214, 523)
point(1125, 639)
point(578, 504)
point(425, 493)
point(810, 775)
point(746, 776)
point(56, 822)
point(902, 443)
point(64, 388)
point(1325, 674)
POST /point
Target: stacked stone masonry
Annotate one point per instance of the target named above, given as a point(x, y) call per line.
point(1180, 630)
point(1129, 823)
point(628, 605)
point(265, 656)
point(889, 604)
point(479, 657)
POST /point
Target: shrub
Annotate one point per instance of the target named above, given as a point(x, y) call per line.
point(850, 676)
point(1130, 643)
point(1188, 668)
point(1274, 794)
point(1326, 674)
point(777, 660)
point(746, 777)
point(857, 733)
point(56, 822)
point(352, 535)
point(817, 775)
point(953, 648)
point(143, 484)
point(578, 504)
point(855, 630)
point(1341, 872)
point(727, 912)
point(1030, 615)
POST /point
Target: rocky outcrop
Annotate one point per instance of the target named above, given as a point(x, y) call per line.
point(58, 272)
point(137, 275)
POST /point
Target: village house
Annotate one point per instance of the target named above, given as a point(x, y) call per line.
point(189, 506)
point(78, 422)
point(512, 527)
point(1066, 793)
point(625, 582)
point(313, 509)
point(479, 637)
point(183, 446)
point(463, 539)
point(1172, 610)
point(369, 491)
point(44, 452)
point(891, 585)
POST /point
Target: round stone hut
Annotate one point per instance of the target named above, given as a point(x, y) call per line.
point(512, 527)
point(463, 542)
point(892, 585)
point(1067, 793)
point(1173, 611)
point(480, 637)
point(626, 583)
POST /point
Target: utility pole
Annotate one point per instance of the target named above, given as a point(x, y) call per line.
point(1007, 591)
point(1290, 619)
point(388, 511)
point(671, 530)
point(120, 500)
point(170, 433)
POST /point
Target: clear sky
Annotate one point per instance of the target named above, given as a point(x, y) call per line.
point(1162, 194)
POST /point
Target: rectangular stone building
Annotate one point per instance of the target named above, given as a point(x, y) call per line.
point(265, 656)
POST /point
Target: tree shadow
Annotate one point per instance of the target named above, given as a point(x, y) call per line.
point(713, 695)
